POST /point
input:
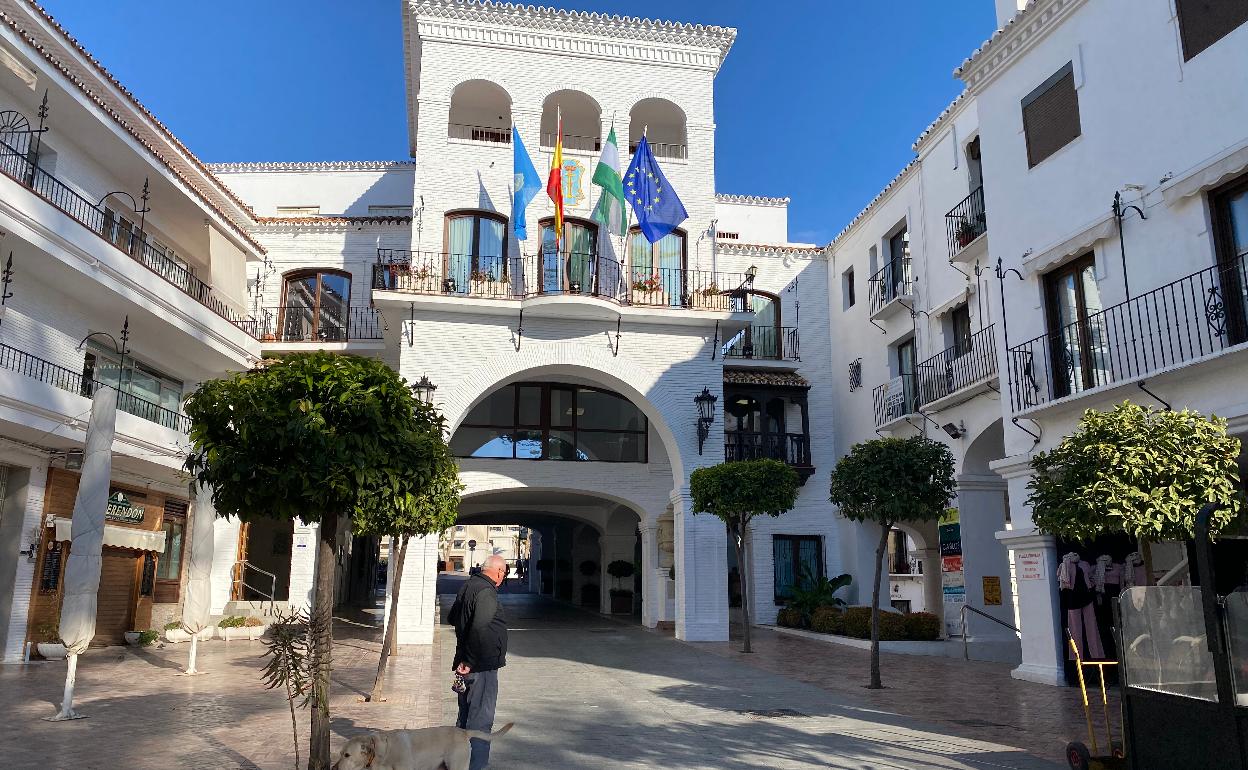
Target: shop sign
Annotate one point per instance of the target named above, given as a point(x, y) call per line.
point(992, 590)
point(1030, 565)
point(302, 537)
point(121, 509)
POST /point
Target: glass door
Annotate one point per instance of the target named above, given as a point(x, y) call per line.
point(1231, 294)
point(657, 270)
point(905, 370)
point(1076, 328)
point(570, 267)
point(316, 307)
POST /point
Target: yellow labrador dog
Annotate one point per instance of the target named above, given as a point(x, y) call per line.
point(428, 749)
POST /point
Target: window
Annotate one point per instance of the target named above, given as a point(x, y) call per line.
point(1051, 115)
point(572, 267)
point(119, 229)
point(389, 211)
point(798, 563)
point(764, 338)
point(1230, 227)
point(458, 544)
point(298, 211)
point(905, 370)
point(168, 572)
point(315, 306)
point(476, 248)
point(152, 395)
point(657, 270)
point(551, 421)
point(1204, 22)
point(1076, 333)
point(960, 329)
point(727, 236)
point(848, 292)
point(460, 527)
point(898, 553)
point(496, 529)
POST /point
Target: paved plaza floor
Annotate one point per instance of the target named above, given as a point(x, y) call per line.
point(585, 692)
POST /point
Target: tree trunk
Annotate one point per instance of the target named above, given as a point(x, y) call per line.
point(1146, 553)
point(323, 612)
point(392, 623)
point(880, 549)
point(743, 562)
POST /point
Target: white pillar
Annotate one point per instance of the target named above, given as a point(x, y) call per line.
point(652, 590)
point(225, 534)
point(981, 510)
point(701, 573)
point(418, 592)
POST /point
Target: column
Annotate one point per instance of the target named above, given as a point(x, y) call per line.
point(418, 592)
point(652, 591)
point(225, 534)
point(535, 548)
point(986, 565)
point(701, 573)
point(933, 596)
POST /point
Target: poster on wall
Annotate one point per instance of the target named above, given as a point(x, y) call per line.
point(1030, 565)
point(952, 575)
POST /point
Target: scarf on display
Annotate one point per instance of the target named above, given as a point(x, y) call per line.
point(1066, 571)
point(1129, 566)
point(1103, 565)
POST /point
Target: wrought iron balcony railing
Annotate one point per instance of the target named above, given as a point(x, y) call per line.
point(891, 282)
point(1196, 316)
point(665, 150)
point(135, 244)
point(297, 323)
point(895, 399)
point(790, 448)
point(573, 142)
point(966, 221)
point(766, 343)
point(493, 277)
point(479, 133)
point(76, 382)
point(971, 361)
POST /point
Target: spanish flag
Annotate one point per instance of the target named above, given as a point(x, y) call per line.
point(554, 183)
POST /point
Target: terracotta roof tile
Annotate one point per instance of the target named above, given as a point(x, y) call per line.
point(767, 377)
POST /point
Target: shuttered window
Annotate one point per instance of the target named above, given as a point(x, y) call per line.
point(1051, 115)
point(1204, 22)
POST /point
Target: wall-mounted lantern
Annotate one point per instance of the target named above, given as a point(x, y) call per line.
point(706, 415)
point(423, 389)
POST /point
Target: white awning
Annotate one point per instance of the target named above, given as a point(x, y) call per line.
point(951, 303)
point(120, 537)
point(1209, 173)
point(1075, 244)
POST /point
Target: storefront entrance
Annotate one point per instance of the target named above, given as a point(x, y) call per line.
point(119, 570)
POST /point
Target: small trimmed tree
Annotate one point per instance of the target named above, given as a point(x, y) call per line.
point(318, 437)
point(736, 492)
point(1134, 469)
point(886, 481)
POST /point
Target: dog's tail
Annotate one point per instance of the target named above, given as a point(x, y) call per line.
point(493, 735)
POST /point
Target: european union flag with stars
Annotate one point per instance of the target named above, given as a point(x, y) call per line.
point(658, 208)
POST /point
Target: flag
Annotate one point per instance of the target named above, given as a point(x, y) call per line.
point(658, 208)
point(525, 185)
point(554, 184)
point(610, 209)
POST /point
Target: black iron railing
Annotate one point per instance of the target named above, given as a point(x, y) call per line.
point(966, 221)
point(791, 448)
point(479, 133)
point(767, 343)
point(1198, 315)
point(891, 282)
point(895, 399)
point(573, 142)
point(665, 150)
point(495, 277)
point(297, 323)
point(972, 360)
point(133, 243)
point(77, 382)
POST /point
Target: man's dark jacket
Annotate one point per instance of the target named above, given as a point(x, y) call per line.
point(480, 627)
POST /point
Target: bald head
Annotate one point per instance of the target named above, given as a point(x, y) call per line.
point(494, 568)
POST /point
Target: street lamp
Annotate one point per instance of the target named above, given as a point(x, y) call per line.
point(472, 555)
point(423, 389)
point(706, 415)
point(750, 273)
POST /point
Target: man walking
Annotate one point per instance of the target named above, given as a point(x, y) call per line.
point(480, 651)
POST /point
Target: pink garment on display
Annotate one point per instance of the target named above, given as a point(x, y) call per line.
point(1080, 622)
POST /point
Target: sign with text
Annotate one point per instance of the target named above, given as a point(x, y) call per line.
point(1030, 565)
point(992, 590)
point(121, 509)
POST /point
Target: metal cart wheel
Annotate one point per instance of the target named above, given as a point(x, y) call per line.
point(1117, 750)
point(1078, 756)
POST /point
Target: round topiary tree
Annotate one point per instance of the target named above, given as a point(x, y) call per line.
point(736, 492)
point(1139, 470)
point(886, 481)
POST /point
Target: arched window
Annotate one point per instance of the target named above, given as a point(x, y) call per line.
point(553, 421)
point(656, 271)
point(480, 112)
point(476, 251)
point(582, 121)
point(315, 305)
point(663, 125)
point(573, 267)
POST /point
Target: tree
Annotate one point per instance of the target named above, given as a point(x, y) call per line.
point(736, 492)
point(886, 481)
point(431, 512)
point(1138, 470)
point(320, 437)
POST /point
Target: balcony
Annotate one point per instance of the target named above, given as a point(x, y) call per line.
point(539, 275)
point(471, 133)
point(766, 343)
point(964, 224)
point(297, 323)
point(135, 244)
point(891, 287)
point(1195, 317)
point(959, 372)
point(895, 400)
point(75, 382)
point(789, 448)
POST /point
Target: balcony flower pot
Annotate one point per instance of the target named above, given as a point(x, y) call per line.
point(708, 299)
point(656, 297)
point(621, 601)
point(51, 650)
point(487, 288)
point(966, 234)
point(132, 638)
point(177, 636)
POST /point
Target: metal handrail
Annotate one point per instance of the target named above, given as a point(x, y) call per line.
point(966, 221)
point(965, 608)
point(240, 568)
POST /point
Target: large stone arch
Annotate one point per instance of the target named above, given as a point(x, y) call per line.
point(986, 447)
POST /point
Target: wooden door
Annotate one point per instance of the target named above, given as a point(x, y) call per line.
point(236, 572)
point(115, 598)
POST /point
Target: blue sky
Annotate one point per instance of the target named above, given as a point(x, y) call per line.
point(819, 100)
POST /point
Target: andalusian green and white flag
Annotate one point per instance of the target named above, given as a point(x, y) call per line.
point(610, 209)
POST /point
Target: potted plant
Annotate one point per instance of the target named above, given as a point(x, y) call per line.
point(589, 590)
point(648, 290)
point(175, 634)
point(141, 638)
point(709, 298)
point(50, 645)
point(482, 284)
point(621, 598)
point(966, 233)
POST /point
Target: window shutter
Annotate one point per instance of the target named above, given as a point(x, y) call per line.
point(1204, 22)
point(1051, 116)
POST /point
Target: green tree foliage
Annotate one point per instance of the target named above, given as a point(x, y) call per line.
point(1134, 469)
point(315, 436)
point(886, 481)
point(736, 492)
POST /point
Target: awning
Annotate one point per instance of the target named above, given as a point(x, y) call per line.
point(1208, 174)
point(119, 537)
point(764, 377)
point(1075, 244)
point(949, 304)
